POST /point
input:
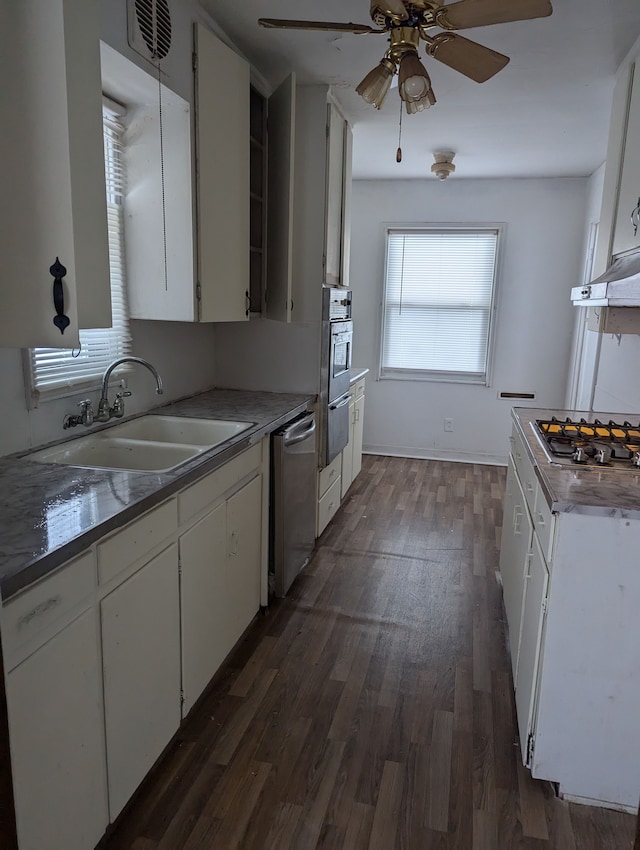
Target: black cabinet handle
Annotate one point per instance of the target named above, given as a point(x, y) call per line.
point(59, 271)
point(248, 297)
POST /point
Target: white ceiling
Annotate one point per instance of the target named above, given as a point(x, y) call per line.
point(545, 114)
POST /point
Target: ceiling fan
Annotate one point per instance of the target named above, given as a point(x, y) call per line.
point(407, 22)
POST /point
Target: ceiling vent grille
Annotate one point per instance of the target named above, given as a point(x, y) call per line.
point(149, 28)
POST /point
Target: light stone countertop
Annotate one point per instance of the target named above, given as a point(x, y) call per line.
point(578, 489)
point(355, 374)
point(51, 512)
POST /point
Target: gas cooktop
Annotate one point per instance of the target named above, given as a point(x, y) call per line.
point(602, 445)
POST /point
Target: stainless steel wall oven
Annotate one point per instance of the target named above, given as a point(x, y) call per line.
point(337, 342)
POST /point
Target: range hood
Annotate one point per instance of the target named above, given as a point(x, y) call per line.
point(619, 286)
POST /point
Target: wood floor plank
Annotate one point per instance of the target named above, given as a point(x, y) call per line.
point(440, 771)
point(235, 730)
point(532, 808)
point(387, 812)
point(372, 709)
point(320, 786)
point(252, 669)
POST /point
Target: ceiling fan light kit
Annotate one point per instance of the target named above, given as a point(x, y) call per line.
point(375, 86)
point(414, 84)
point(407, 22)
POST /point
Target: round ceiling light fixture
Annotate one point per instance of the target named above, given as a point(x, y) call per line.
point(443, 165)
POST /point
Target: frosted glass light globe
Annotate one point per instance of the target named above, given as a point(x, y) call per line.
point(415, 87)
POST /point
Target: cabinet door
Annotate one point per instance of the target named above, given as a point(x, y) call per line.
point(347, 454)
point(533, 615)
point(244, 536)
point(624, 238)
point(336, 131)
point(514, 549)
point(281, 153)
point(141, 663)
point(52, 136)
point(223, 166)
point(203, 567)
point(358, 426)
point(57, 742)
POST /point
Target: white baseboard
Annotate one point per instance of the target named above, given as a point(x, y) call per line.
point(603, 804)
point(436, 454)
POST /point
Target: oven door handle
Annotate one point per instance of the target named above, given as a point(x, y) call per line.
point(345, 399)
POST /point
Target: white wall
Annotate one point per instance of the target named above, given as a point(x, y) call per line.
point(541, 261)
point(586, 344)
point(618, 384)
point(268, 355)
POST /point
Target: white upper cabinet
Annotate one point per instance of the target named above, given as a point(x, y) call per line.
point(626, 235)
point(53, 180)
point(158, 220)
point(222, 88)
point(281, 161)
point(308, 201)
point(338, 196)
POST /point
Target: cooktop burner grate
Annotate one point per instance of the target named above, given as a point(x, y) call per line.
point(601, 444)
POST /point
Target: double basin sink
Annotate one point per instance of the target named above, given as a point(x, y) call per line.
point(151, 443)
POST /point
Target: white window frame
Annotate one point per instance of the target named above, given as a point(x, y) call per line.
point(458, 377)
point(86, 374)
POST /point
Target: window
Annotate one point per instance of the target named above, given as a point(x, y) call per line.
point(57, 372)
point(438, 303)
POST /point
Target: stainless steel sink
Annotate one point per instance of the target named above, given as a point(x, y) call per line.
point(147, 444)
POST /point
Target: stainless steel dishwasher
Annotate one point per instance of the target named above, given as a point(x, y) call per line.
point(293, 500)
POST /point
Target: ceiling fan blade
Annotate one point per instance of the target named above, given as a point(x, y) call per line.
point(390, 9)
point(278, 23)
point(475, 61)
point(482, 13)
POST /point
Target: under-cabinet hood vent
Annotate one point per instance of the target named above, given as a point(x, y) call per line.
point(619, 286)
point(149, 28)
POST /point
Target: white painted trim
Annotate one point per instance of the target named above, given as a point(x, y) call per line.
point(436, 454)
point(603, 804)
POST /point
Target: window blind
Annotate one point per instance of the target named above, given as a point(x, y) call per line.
point(438, 298)
point(57, 372)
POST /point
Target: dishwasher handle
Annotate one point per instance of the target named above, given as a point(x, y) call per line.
point(299, 431)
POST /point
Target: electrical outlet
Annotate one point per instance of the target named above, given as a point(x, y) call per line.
point(448, 424)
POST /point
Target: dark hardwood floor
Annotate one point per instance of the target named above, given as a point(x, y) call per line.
point(372, 708)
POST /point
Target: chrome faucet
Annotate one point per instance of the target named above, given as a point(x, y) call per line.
point(105, 410)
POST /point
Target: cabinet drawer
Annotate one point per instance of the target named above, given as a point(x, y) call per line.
point(135, 540)
point(328, 505)
point(329, 475)
point(205, 492)
point(30, 618)
point(543, 522)
point(357, 389)
point(525, 470)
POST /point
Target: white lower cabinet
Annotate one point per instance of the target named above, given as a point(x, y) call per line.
point(97, 654)
point(141, 664)
point(220, 568)
point(56, 732)
point(572, 593)
point(532, 616)
point(243, 557)
point(516, 543)
point(202, 582)
point(352, 453)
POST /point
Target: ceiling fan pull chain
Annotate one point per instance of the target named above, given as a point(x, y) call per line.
point(399, 151)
